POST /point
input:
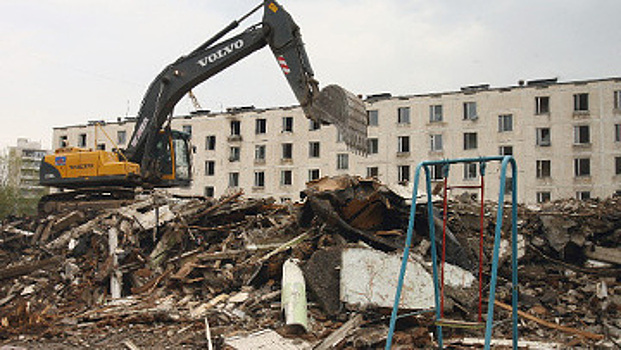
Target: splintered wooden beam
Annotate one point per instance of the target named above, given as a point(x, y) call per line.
point(25, 269)
point(565, 329)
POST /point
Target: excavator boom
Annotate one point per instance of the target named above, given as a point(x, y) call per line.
point(157, 156)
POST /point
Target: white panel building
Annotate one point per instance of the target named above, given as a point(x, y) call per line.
point(566, 138)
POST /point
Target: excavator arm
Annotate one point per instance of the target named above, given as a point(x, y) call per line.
point(332, 105)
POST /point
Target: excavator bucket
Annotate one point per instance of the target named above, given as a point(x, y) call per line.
point(335, 105)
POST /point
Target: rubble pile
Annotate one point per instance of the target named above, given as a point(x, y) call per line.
point(238, 273)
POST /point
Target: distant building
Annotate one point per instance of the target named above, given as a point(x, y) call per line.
point(23, 167)
point(565, 136)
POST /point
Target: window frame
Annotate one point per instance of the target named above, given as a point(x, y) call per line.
point(233, 179)
point(436, 113)
point(342, 161)
point(505, 123)
point(582, 135)
point(314, 152)
point(403, 144)
point(210, 168)
point(287, 151)
point(471, 141)
point(436, 143)
point(581, 102)
point(542, 141)
point(539, 105)
point(373, 145)
point(286, 177)
point(470, 110)
point(260, 126)
point(582, 167)
point(259, 178)
point(403, 115)
point(403, 174)
point(471, 170)
point(543, 168)
point(210, 143)
point(373, 117)
point(287, 124)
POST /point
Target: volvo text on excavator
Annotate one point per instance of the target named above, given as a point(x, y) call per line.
point(157, 156)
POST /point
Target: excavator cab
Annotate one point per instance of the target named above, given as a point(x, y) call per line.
point(173, 157)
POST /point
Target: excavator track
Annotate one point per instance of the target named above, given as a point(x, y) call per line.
point(335, 105)
point(86, 198)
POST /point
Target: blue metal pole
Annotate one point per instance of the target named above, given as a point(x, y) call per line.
point(514, 254)
point(492, 288)
point(404, 261)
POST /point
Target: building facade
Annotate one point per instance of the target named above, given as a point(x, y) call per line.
point(565, 137)
point(24, 160)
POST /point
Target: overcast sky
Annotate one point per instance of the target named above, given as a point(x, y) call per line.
point(65, 62)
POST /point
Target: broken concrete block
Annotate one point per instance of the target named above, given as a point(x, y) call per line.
point(369, 277)
point(266, 340)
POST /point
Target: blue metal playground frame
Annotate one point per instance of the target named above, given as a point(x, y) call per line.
point(506, 160)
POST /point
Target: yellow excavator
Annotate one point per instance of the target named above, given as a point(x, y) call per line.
point(158, 156)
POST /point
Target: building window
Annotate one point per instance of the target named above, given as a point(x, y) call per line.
point(505, 150)
point(436, 142)
point(286, 178)
point(543, 137)
point(342, 161)
point(470, 111)
point(470, 140)
point(314, 149)
point(234, 180)
point(403, 145)
point(259, 153)
point(505, 123)
point(618, 165)
point(435, 113)
point(287, 124)
point(373, 146)
point(63, 142)
point(339, 136)
point(373, 117)
point(403, 174)
point(210, 143)
point(260, 126)
point(436, 171)
point(209, 191)
point(82, 140)
point(234, 154)
point(582, 167)
point(287, 151)
point(543, 197)
point(210, 167)
point(617, 133)
point(581, 135)
point(543, 169)
point(235, 127)
point(187, 129)
point(372, 171)
point(101, 146)
point(313, 174)
point(618, 99)
point(259, 179)
point(314, 125)
point(403, 115)
point(470, 171)
point(542, 105)
point(581, 102)
point(121, 137)
point(583, 195)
